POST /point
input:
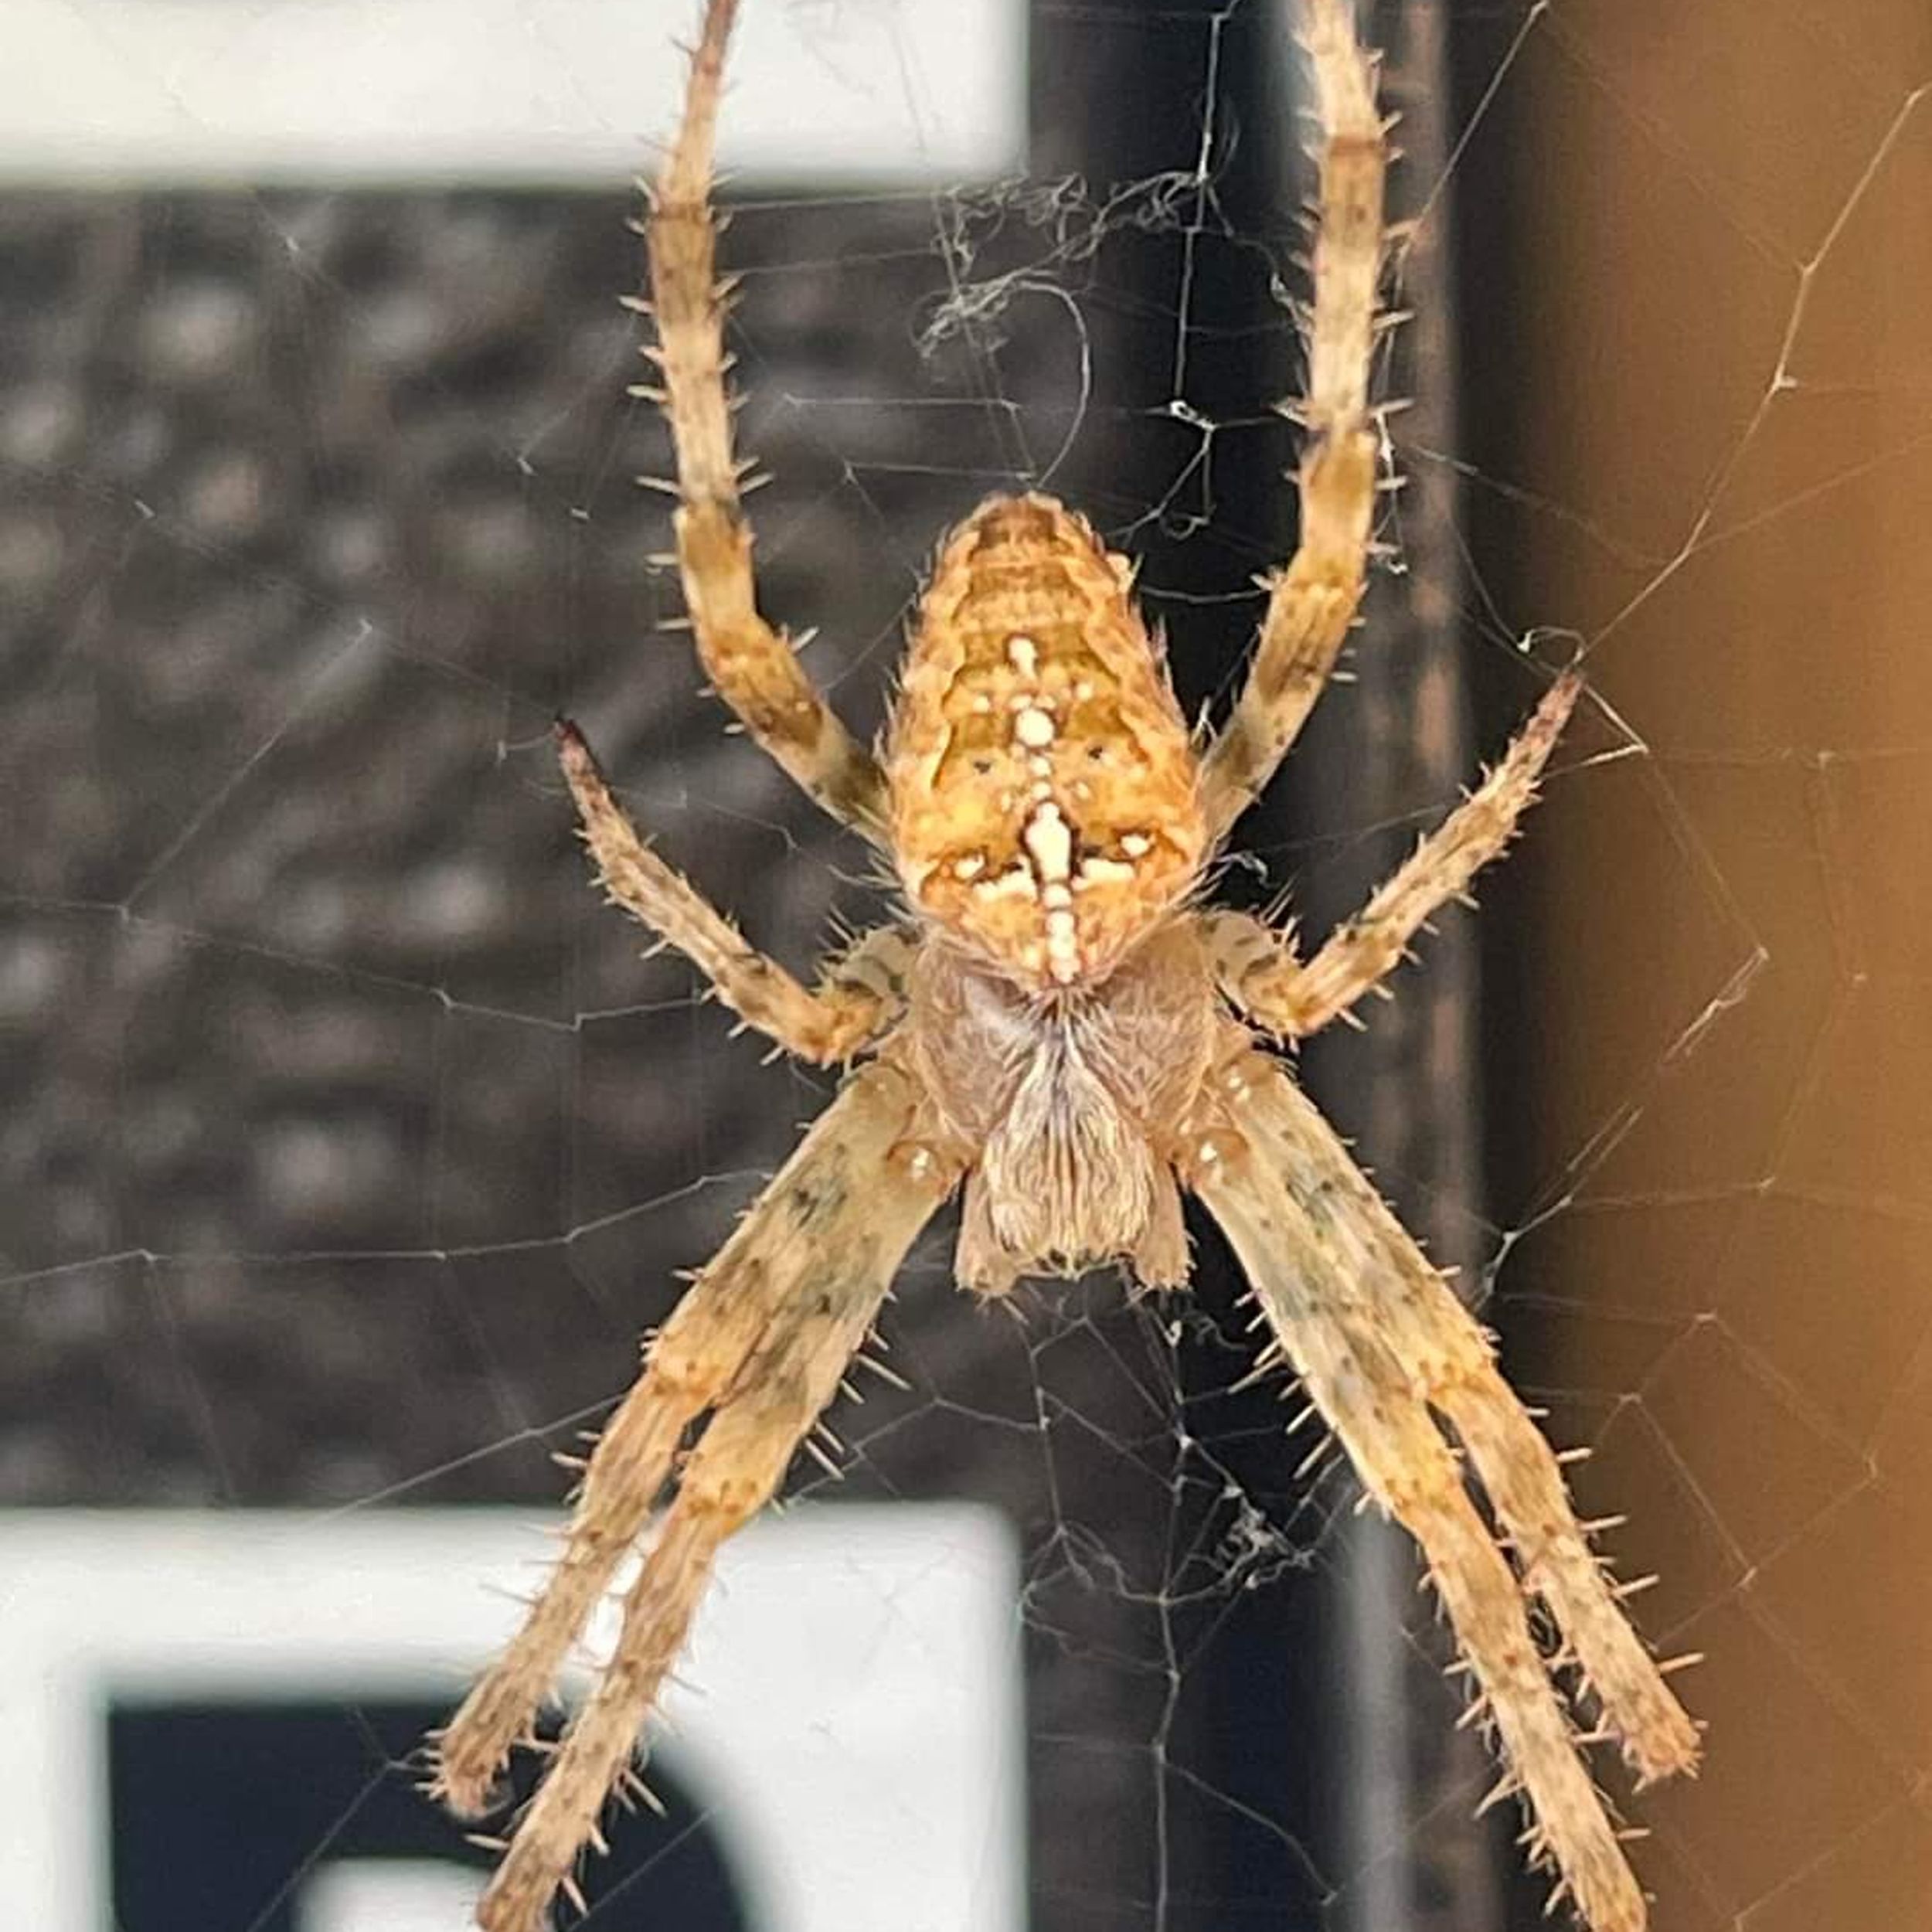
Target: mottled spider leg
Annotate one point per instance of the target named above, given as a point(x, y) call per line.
point(686, 1367)
point(753, 668)
point(761, 1339)
point(1452, 1364)
point(860, 998)
point(1307, 1289)
point(1257, 967)
point(1312, 602)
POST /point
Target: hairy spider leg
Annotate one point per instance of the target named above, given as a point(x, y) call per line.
point(761, 1340)
point(753, 668)
point(861, 994)
point(1257, 965)
point(1328, 1332)
point(1312, 602)
point(1452, 1363)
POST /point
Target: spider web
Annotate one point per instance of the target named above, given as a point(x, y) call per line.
point(347, 1144)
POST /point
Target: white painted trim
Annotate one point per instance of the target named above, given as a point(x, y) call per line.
point(388, 1895)
point(262, 91)
point(850, 1708)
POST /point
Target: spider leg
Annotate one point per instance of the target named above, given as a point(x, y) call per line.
point(861, 996)
point(753, 668)
point(1292, 997)
point(1312, 602)
point(1452, 1362)
point(1377, 1338)
point(761, 1341)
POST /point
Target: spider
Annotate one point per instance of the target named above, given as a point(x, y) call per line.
point(1060, 1031)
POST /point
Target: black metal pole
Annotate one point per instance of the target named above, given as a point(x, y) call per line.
point(1329, 1790)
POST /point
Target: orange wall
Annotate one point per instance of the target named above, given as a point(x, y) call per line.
point(1734, 1023)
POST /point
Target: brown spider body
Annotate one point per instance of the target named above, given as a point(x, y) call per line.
point(1063, 1036)
point(1043, 801)
point(1045, 816)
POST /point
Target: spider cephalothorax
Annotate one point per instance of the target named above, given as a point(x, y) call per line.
point(1064, 1035)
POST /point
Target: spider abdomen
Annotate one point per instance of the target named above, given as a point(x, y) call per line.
point(1043, 802)
point(1065, 1102)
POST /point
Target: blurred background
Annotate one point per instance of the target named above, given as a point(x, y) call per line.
point(345, 1145)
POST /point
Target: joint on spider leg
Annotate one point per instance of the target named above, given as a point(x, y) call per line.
point(1206, 1151)
point(873, 965)
point(1338, 486)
